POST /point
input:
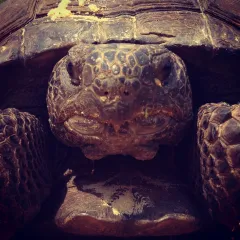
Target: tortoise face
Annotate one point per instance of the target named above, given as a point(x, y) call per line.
point(119, 99)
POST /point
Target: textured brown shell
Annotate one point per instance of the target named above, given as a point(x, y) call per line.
point(188, 23)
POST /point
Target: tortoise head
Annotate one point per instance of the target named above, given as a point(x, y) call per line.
point(119, 99)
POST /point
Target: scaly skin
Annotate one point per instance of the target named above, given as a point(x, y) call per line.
point(24, 175)
point(119, 99)
point(219, 144)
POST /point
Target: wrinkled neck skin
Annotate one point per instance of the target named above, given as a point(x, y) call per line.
point(119, 99)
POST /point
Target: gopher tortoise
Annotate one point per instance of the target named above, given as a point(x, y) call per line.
point(122, 82)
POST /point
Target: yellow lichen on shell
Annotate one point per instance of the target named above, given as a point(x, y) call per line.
point(93, 7)
point(61, 11)
point(81, 3)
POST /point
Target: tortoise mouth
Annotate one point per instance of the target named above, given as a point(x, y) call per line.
point(83, 125)
point(125, 197)
point(136, 136)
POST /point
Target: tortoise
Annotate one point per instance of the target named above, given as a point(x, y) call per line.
point(120, 81)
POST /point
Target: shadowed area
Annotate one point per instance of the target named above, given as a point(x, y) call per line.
point(120, 196)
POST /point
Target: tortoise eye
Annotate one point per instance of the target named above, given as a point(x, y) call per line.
point(70, 69)
point(162, 65)
point(162, 74)
point(74, 79)
point(166, 70)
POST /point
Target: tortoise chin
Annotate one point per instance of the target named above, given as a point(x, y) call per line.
point(119, 99)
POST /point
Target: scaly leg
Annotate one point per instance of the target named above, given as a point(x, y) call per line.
point(219, 146)
point(25, 179)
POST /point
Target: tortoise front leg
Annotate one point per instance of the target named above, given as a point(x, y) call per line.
point(219, 145)
point(24, 175)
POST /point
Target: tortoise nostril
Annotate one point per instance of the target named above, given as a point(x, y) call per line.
point(126, 93)
point(106, 93)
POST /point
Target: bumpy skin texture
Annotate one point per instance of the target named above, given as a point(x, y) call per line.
point(24, 174)
point(119, 99)
point(219, 144)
